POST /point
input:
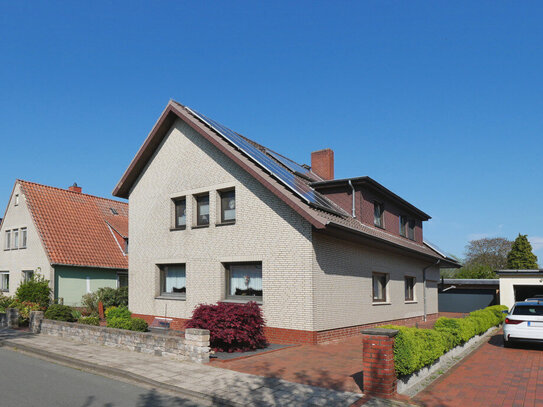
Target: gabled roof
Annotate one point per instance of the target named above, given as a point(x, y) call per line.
point(78, 229)
point(320, 217)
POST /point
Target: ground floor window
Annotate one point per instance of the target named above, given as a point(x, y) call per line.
point(28, 275)
point(122, 280)
point(380, 281)
point(409, 288)
point(4, 280)
point(244, 281)
point(173, 280)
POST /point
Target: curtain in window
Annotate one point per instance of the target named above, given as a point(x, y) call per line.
point(175, 279)
point(246, 280)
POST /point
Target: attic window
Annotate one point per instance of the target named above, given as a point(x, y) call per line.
point(16, 199)
point(114, 211)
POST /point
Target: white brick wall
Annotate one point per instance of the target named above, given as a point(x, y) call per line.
point(266, 230)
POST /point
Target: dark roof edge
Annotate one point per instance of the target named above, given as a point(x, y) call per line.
point(89, 266)
point(365, 180)
point(512, 271)
point(443, 260)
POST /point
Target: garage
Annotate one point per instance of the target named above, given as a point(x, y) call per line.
point(517, 285)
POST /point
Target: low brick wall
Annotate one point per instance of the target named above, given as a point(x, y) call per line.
point(194, 346)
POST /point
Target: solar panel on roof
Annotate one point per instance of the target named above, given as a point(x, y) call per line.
point(273, 167)
point(293, 166)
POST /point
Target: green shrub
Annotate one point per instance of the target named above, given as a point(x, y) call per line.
point(76, 314)
point(138, 324)
point(59, 313)
point(90, 302)
point(118, 312)
point(119, 323)
point(89, 321)
point(4, 302)
point(35, 290)
point(113, 297)
point(452, 327)
point(24, 310)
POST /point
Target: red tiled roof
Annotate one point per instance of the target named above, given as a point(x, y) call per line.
point(78, 229)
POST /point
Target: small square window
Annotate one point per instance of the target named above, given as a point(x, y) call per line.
point(15, 239)
point(173, 280)
point(228, 206)
point(28, 275)
point(4, 281)
point(7, 242)
point(409, 288)
point(403, 226)
point(202, 210)
point(23, 238)
point(180, 213)
point(411, 229)
point(244, 281)
point(378, 211)
point(379, 281)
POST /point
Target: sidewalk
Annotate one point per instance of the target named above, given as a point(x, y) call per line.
point(204, 382)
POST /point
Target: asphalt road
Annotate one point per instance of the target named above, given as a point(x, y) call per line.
point(26, 381)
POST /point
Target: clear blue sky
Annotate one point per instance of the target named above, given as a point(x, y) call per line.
point(442, 102)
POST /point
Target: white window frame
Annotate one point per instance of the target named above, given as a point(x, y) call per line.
point(163, 269)
point(23, 235)
point(14, 239)
point(16, 203)
point(7, 241)
point(2, 285)
point(385, 297)
point(26, 273)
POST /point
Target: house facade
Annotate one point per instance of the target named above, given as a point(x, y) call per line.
point(74, 240)
point(217, 217)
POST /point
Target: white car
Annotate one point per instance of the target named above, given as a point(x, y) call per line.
point(524, 323)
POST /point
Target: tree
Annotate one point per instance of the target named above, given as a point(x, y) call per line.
point(489, 252)
point(521, 256)
point(476, 271)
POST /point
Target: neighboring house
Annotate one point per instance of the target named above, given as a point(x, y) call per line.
point(216, 217)
point(517, 285)
point(466, 295)
point(75, 240)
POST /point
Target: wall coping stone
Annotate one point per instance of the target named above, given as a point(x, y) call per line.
point(391, 333)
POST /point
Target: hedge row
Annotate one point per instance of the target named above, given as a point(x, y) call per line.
point(415, 348)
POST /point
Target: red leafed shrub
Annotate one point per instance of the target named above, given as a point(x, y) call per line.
point(232, 327)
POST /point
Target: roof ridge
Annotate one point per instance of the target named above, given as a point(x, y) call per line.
point(72, 192)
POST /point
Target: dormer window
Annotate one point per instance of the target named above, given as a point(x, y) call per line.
point(403, 226)
point(378, 212)
point(411, 229)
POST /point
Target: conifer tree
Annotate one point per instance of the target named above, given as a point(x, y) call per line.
point(521, 256)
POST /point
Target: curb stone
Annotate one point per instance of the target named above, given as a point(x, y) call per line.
point(112, 371)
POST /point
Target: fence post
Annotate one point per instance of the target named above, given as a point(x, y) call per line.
point(378, 362)
point(197, 344)
point(12, 316)
point(35, 321)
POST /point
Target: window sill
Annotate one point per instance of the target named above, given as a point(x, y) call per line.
point(381, 303)
point(172, 297)
point(200, 227)
point(379, 227)
point(225, 223)
point(179, 228)
point(241, 301)
point(411, 302)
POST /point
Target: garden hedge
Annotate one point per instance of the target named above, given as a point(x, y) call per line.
point(415, 348)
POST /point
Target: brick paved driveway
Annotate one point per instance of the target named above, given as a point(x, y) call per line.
point(491, 376)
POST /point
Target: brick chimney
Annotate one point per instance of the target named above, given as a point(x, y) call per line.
point(75, 188)
point(322, 163)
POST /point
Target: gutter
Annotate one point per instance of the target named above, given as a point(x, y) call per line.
point(424, 287)
point(352, 189)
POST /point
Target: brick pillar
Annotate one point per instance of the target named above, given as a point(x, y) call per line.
point(378, 362)
point(35, 321)
point(12, 316)
point(197, 344)
point(101, 310)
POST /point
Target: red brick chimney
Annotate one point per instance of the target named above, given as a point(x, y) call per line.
point(75, 188)
point(322, 163)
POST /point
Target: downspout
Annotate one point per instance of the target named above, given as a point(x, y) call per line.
point(354, 206)
point(424, 287)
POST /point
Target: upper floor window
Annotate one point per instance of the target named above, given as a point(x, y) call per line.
point(180, 213)
point(202, 210)
point(409, 288)
point(7, 243)
point(228, 206)
point(244, 281)
point(4, 281)
point(28, 275)
point(379, 281)
point(411, 229)
point(403, 226)
point(15, 239)
point(16, 199)
point(173, 280)
point(378, 212)
point(23, 238)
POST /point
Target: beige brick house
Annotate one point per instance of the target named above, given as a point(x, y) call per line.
point(217, 217)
